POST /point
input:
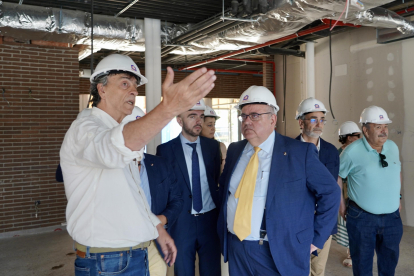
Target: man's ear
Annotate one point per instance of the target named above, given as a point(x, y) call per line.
point(101, 90)
point(180, 121)
point(365, 131)
point(301, 123)
point(273, 121)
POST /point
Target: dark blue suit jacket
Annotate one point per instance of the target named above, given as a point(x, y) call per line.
point(329, 156)
point(173, 152)
point(165, 195)
point(298, 181)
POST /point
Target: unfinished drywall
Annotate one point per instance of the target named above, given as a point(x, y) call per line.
point(364, 73)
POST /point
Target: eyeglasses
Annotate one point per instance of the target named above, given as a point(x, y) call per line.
point(315, 121)
point(252, 116)
point(384, 163)
point(356, 135)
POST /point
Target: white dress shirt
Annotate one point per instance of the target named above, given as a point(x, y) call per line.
point(106, 205)
point(318, 146)
point(260, 191)
point(208, 203)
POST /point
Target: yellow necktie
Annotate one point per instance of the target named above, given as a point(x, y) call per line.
point(245, 193)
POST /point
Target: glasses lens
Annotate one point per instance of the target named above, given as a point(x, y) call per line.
point(254, 116)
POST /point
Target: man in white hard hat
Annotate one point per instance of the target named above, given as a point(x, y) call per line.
point(107, 213)
point(311, 116)
point(267, 224)
point(348, 133)
point(372, 167)
point(196, 163)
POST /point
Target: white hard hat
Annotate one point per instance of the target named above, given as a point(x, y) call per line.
point(118, 62)
point(209, 112)
point(310, 105)
point(200, 105)
point(257, 95)
point(348, 127)
point(374, 114)
point(136, 114)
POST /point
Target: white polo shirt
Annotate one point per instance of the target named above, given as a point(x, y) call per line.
point(106, 205)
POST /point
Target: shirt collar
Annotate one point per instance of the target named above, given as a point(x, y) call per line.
point(185, 141)
point(318, 146)
point(266, 146)
point(105, 117)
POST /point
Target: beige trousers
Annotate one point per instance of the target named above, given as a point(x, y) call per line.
point(157, 266)
point(318, 263)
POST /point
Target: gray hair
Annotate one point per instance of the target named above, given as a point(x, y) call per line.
point(302, 117)
point(96, 98)
point(366, 125)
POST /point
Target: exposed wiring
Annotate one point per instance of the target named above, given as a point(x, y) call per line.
point(346, 4)
point(347, 8)
point(330, 77)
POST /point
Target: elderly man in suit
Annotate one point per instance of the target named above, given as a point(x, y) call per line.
point(311, 118)
point(196, 163)
point(271, 184)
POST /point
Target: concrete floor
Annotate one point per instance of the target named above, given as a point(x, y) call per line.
point(52, 254)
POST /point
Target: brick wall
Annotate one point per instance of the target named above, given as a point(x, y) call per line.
point(227, 86)
point(268, 74)
point(31, 132)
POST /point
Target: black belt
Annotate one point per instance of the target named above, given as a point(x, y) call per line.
point(199, 214)
point(353, 204)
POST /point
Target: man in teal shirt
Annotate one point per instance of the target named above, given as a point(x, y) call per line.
point(373, 169)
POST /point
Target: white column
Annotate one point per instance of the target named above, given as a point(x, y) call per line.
point(153, 71)
point(310, 69)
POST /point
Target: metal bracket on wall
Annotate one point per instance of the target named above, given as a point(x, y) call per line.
point(4, 98)
point(30, 95)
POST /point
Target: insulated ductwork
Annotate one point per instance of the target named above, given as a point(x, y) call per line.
point(380, 17)
point(285, 17)
point(290, 16)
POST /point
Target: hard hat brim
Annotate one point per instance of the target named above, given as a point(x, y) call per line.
point(143, 79)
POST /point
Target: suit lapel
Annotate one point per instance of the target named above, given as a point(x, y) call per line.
point(277, 168)
point(179, 156)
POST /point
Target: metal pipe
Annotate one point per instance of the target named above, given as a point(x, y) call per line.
point(238, 19)
point(127, 7)
point(310, 69)
point(405, 10)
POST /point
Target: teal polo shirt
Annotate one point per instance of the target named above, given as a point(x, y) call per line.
point(374, 188)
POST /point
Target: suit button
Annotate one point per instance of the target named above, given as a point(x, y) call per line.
point(189, 211)
point(190, 196)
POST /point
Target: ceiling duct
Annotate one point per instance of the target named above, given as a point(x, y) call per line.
point(126, 34)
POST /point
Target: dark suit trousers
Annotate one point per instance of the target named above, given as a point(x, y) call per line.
point(249, 258)
point(201, 237)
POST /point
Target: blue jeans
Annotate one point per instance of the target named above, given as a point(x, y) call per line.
point(125, 263)
point(368, 233)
